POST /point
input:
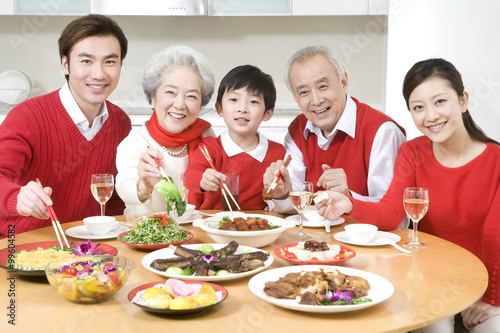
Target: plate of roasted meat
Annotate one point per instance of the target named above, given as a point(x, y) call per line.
point(207, 262)
point(320, 288)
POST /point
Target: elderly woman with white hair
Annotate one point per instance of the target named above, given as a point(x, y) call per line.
point(177, 82)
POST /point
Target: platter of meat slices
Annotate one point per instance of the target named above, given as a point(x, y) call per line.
point(301, 288)
point(238, 260)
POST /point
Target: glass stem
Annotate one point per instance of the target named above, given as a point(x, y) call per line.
point(301, 227)
point(102, 209)
point(415, 232)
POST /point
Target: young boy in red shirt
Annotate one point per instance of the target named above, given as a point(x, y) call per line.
point(246, 97)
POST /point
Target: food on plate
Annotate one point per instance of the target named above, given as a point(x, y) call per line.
point(311, 250)
point(177, 295)
point(169, 190)
point(206, 261)
point(323, 287)
point(248, 224)
point(39, 258)
point(88, 279)
point(320, 197)
point(156, 229)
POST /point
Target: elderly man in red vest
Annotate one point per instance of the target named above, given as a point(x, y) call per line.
point(337, 143)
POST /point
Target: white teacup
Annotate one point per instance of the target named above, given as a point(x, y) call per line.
point(187, 214)
point(99, 225)
point(361, 233)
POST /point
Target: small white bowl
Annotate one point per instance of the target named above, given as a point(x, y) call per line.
point(187, 214)
point(361, 233)
point(99, 225)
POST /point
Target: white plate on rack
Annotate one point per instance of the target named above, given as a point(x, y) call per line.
point(83, 233)
point(380, 289)
point(344, 238)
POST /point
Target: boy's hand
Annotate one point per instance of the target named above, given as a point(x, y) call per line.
point(148, 171)
point(333, 179)
point(32, 199)
point(212, 180)
point(284, 186)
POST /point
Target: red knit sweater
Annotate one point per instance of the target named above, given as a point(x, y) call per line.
point(464, 202)
point(350, 154)
point(250, 170)
point(39, 139)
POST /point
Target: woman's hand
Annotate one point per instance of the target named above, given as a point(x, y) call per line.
point(284, 185)
point(148, 171)
point(478, 313)
point(32, 199)
point(333, 204)
point(212, 180)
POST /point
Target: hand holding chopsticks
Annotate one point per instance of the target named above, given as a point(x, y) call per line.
point(278, 176)
point(55, 221)
point(224, 188)
point(163, 173)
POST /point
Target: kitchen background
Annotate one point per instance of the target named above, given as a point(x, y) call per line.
point(379, 40)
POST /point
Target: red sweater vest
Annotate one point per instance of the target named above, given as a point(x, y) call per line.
point(250, 170)
point(352, 155)
point(39, 139)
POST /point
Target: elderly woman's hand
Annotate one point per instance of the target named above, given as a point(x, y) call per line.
point(211, 180)
point(148, 171)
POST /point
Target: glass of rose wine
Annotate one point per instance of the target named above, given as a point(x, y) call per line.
point(416, 203)
point(102, 186)
point(301, 196)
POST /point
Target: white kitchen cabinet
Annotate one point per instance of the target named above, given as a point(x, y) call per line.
point(330, 7)
point(249, 7)
point(52, 7)
point(7, 7)
point(149, 7)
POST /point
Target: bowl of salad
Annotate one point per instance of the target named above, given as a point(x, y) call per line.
point(89, 278)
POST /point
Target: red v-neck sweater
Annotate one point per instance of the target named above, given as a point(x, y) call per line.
point(38, 138)
point(250, 170)
point(464, 202)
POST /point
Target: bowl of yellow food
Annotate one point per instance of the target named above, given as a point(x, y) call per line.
point(90, 278)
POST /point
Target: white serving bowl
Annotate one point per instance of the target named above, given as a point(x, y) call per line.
point(99, 225)
point(259, 238)
point(361, 233)
point(187, 214)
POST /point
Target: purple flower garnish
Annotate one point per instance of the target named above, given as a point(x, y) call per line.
point(334, 296)
point(84, 272)
point(208, 258)
point(86, 248)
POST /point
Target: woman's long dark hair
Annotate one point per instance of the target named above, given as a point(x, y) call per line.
point(445, 70)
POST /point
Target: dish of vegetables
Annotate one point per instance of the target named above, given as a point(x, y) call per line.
point(155, 232)
point(9, 254)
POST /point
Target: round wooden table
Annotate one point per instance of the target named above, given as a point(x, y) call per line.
point(430, 285)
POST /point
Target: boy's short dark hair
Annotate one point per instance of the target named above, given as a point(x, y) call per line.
point(251, 78)
point(89, 26)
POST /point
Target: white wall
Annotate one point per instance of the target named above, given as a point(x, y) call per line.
point(462, 31)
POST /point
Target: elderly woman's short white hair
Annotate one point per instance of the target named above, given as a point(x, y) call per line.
point(309, 52)
point(178, 55)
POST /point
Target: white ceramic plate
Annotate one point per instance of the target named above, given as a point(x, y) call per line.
point(83, 233)
point(196, 215)
point(380, 289)
point(344, 238)
point(169, 253)
point(314, 224)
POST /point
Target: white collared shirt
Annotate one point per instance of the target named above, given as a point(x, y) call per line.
point(232, 149)
point(76, 114)
point(383, 155)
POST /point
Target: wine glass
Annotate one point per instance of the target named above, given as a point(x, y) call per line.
point(301, 196)
point(180, 182)
point(416, 203)
point(102, 186)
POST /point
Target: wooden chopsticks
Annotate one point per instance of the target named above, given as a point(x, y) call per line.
point(287, 161)
point(204, 150)
point(55, 221)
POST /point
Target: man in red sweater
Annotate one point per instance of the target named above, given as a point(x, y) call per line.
point(337, 143)
point(67, 135)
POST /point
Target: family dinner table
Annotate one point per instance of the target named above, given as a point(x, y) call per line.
point(430, 284)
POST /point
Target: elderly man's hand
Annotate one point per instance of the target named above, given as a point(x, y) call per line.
point(32, 199)
point(333, 179)
point(333, 204)
point(478, 312)
point(284, 186)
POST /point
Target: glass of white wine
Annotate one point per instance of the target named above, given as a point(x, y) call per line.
point(102, 186)
point(416, 203)
point(301, 196)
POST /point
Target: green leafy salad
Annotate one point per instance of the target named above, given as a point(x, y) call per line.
point(155, 229)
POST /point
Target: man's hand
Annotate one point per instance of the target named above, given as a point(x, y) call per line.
point(333, 179)
point(284, 186)
point(212, 180)
point(478, 313)
point(32, 199)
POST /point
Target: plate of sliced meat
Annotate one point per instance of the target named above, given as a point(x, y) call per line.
point(321, 288)
point(236, 260)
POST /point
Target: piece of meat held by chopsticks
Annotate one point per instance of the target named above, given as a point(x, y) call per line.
point(320, 197)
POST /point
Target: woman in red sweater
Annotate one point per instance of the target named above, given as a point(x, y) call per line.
point(459, 165)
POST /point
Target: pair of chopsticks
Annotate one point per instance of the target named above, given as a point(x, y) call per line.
point(288, 159)
point(163, 173)
point(55, 221)
point(225, 189)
